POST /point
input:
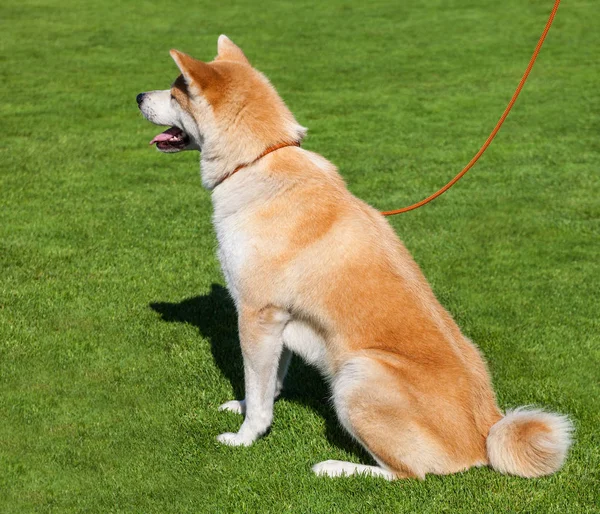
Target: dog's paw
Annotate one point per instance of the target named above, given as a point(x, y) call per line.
point(231, 439)
point(329, 468)
point(338, 468)
point(239, 407)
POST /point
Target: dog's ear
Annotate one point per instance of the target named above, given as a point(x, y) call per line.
point(227, 50)
point(195, 72)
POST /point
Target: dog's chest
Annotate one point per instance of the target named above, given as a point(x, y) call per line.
point(234, 251)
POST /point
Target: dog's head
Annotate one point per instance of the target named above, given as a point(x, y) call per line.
point(225, 108)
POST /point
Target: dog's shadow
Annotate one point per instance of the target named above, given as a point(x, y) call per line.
point(215, 317)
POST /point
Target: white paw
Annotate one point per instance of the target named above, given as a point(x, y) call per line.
point(231, 439)
point(338, 468)
point(239, 407)
point(329, 468)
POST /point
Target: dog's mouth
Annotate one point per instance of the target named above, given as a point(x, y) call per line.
point(171, 140)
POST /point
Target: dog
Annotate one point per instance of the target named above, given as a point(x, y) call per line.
point(315, 271)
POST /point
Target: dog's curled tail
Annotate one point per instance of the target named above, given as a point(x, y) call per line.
point(529, 442)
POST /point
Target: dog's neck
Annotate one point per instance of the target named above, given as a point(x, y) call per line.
point(266, 152)
point(222, 157)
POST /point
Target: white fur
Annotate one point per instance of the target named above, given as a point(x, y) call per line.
point(239, 406)
point(344, 384)
point(261, 369)
point(161, 109)
point(338, 468)
point(303, 340)
point(235, 406)
point(158, 108)
point(231, 201)
point(320, 162)
point(284, 364)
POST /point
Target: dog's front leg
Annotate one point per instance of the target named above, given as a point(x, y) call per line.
point(262, 344)
point(239, 406)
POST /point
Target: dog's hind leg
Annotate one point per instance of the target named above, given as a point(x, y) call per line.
point(239, 406)
point(262, 345)
point(409, 430)
point(375, 410)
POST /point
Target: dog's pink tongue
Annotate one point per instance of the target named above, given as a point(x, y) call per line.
point(166, 135)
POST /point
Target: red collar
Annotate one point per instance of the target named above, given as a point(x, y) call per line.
point(266, 152)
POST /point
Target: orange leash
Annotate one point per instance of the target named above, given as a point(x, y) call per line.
point(496, 128)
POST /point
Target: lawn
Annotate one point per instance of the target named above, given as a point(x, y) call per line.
point(117, 338)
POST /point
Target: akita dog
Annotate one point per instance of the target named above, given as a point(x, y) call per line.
point(316, 271)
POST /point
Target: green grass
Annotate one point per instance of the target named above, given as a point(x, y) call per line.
point(117, 338)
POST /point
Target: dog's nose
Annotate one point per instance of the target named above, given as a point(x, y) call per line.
point(139, 98)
